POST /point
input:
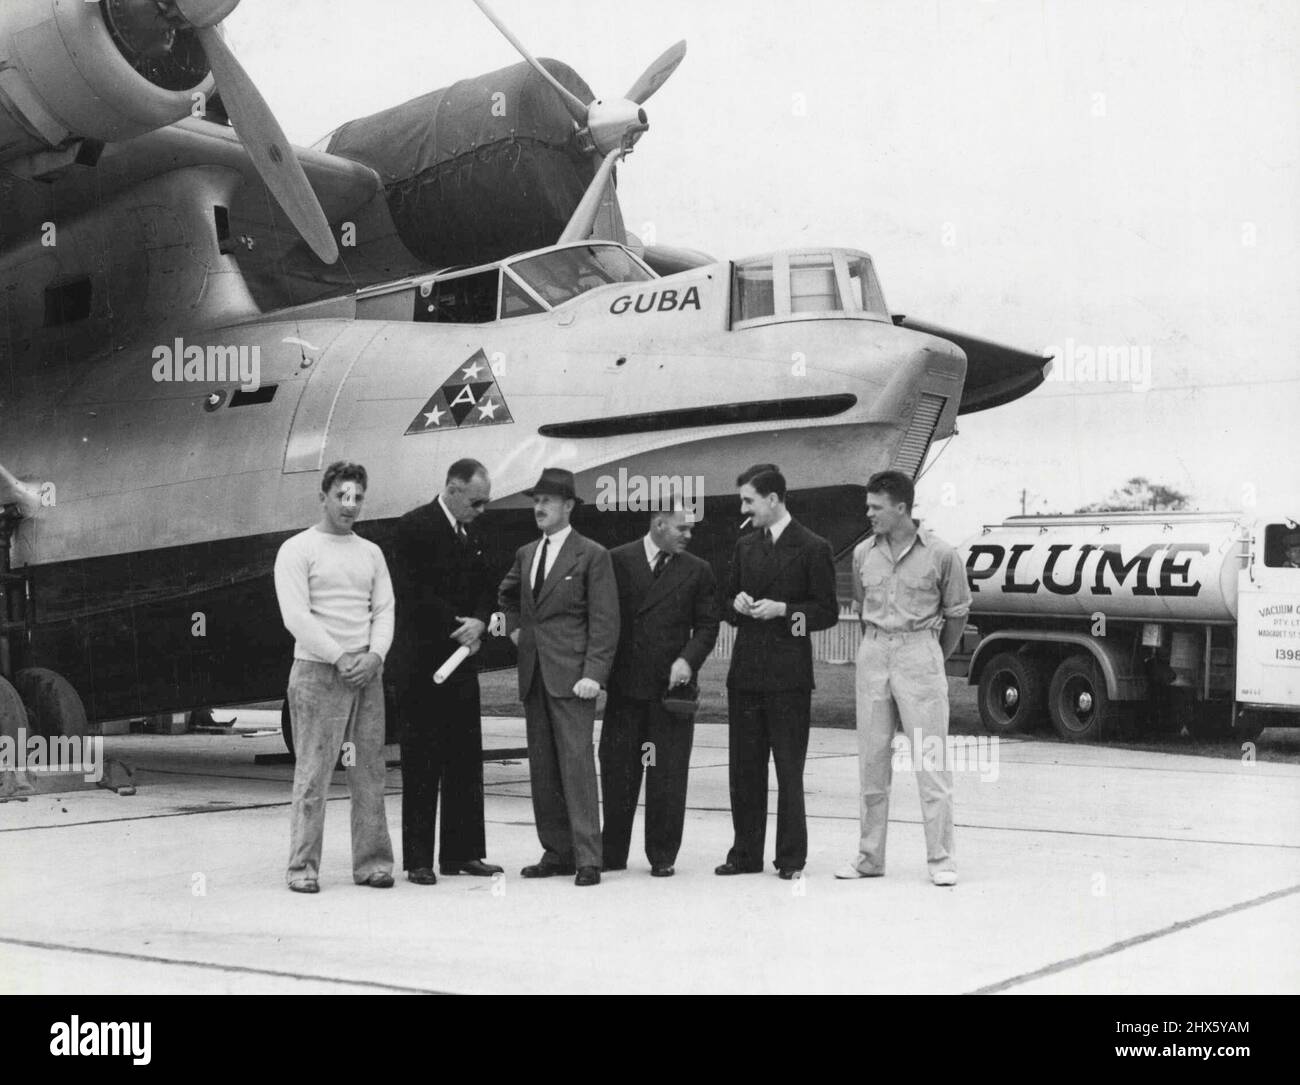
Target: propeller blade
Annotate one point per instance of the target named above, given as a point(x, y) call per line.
point(576, 107)
point(657, 74)
point(267, 146)
point(584, 218)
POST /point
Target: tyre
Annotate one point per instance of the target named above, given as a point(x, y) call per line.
point(1011, 694)
point(1248, 725)
point(53, 706)
point(1077, 702)
point(1210, 720)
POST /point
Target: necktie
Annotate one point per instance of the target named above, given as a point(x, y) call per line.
point(661, 559)
point(768, 544)
point(539, 578)
point(462, 536)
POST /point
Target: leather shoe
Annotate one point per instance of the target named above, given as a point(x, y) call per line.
point(477, 867)
point(379, 880)
point(788, 872)
point(546, 870)
point(587, 875)
point(662, 870)
point(306, 885)
point(732, 868)
point(422, 875)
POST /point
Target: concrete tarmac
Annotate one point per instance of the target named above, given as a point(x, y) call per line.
point(1082, 869)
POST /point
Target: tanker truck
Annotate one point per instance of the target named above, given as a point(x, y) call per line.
point(1113, 623)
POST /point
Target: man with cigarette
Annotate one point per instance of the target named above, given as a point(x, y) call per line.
point(337, 600)
point(780, 590)
point(560, 601)
point(445, 595)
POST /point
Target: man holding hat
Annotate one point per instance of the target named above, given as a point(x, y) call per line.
point(560, 601)
point(669, 625)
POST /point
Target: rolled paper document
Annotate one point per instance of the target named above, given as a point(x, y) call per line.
point(453, 661)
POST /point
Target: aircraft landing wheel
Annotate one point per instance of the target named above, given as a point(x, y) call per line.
point(1011, 694)
point(1077, 702)
point(13, 718)
point(54, 706)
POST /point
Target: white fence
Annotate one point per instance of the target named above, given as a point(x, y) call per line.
point(839, 644)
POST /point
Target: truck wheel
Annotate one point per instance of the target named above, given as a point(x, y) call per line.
point(1077, 702)
point(1249, 723)
point(286, 726)
point(1210, 720)
point(1011, 694)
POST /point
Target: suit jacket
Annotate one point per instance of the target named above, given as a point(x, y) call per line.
point(571, 631)
point(674, 615)
point(777, 655)
point(435, 578)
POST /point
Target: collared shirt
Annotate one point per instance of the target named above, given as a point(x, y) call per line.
point(554, 543)
point(780, 526)
point(917, 590)
point(652, 552)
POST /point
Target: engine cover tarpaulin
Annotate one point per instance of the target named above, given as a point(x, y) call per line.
point(479, 170)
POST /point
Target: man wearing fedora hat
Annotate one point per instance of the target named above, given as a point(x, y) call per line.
point(560, 601)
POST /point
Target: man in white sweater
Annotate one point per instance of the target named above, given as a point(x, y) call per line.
point(337, 600)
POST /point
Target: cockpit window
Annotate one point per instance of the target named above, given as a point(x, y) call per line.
point(753, 293)
point(808, 285)
point(515, 300)
point(812, 284)
point(468, 299)
point(563, 274)
point(866, 287)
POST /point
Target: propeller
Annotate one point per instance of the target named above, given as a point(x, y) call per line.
point(604, 124)
point(607, 127)
point(583, 220)
point(153, 27)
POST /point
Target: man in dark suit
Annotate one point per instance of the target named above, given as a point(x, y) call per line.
point(561, 610)
point(669, 623)
point(445, 595)
point(780, 590)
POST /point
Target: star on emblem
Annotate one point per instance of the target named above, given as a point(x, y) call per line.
point(434, 417)
point(471, 372)
point(488, 409)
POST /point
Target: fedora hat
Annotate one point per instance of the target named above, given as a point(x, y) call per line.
point(557, 482)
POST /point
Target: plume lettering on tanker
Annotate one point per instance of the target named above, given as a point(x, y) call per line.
point(1065, 569)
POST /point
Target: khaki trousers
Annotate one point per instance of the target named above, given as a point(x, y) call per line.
point(326, 713)
point(900, 679)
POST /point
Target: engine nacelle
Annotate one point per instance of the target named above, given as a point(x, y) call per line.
point(73, 69)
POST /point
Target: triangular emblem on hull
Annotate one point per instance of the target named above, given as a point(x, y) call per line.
point(469, 397)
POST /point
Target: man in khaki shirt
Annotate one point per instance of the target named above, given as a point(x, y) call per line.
point(912, 591)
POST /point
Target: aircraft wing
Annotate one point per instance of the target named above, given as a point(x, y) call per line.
point(995, 374)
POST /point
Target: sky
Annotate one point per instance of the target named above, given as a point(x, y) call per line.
point(1079, 174)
